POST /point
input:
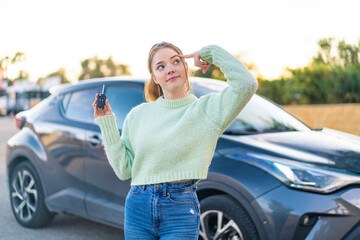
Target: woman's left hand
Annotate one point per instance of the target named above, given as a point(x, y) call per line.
point(197, 61)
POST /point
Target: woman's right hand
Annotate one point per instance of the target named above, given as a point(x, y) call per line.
point(98, 112)
point(198, 62)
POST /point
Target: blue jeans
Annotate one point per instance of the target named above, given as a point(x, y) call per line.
point(165, 211)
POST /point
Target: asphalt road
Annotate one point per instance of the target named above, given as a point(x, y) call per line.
point(62, 227)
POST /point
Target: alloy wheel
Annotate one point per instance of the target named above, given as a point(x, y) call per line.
point(215, 225)
point(24, 195)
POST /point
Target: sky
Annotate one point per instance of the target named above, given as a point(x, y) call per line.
point(272, 35)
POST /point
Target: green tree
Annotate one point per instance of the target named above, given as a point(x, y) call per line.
point(348, 54)
point(22, 75)
point(212, 72)
point(95, 68)
point(6, 61)
point(332, 77)
point(61, 72)
point(324, 54)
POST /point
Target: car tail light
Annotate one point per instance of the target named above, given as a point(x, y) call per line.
point(20, 121)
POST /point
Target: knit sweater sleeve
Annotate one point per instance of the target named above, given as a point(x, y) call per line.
point(223, 107)
point(117, 148)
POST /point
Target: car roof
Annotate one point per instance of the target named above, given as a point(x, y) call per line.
point(108, 80)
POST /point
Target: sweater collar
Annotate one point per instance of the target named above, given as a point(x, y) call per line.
point(177, 102)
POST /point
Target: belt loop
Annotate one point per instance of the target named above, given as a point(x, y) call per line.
point(164, 189)
point(194, 184)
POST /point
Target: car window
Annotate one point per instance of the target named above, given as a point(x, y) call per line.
point(262, 116)
point(65, 101)
point(258, 116)
point(122, 100)
point(78, 105)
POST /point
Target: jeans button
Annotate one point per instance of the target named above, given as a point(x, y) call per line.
point(157, 185)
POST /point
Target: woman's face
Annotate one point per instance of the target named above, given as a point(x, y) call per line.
point(169, 71)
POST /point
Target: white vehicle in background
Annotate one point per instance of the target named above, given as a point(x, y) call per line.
point(25, 94)
point(22, 98)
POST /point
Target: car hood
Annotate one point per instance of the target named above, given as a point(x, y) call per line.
point(327, 147)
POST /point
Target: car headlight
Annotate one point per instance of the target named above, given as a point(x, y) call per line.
point(300, 175)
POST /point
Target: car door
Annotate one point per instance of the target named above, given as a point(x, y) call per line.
point(63, 135)
point(106, 193)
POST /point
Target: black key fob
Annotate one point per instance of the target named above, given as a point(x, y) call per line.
point(101, 99)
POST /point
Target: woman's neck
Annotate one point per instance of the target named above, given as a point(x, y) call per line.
point(173, 96)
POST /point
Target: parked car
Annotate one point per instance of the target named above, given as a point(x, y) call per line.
point(271, 177)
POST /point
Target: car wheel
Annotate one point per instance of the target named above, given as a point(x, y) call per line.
point(27, 197)
point(224, 218)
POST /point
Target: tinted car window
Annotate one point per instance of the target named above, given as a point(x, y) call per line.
point(261, 116)
point(65, 101)
point(78, 105)
point(258, 116)
point(122, 100)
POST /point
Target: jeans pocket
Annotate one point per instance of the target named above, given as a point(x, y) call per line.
point(182, 198)
point(135, 189)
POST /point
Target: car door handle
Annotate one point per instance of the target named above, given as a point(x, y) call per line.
point(94, 140)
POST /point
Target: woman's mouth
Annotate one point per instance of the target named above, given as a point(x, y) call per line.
point(172, 78)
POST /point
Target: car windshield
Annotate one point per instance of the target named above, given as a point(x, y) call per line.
point(258, 116)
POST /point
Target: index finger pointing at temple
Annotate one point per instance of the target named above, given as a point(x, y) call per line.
point(186, 56)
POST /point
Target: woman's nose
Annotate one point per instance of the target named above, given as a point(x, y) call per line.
point(170, 70)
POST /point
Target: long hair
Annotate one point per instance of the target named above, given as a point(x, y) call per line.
point(152, 90)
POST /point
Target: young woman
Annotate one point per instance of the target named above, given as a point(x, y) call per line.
point(167, 143)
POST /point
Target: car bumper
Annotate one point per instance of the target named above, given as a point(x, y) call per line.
point(291, 214)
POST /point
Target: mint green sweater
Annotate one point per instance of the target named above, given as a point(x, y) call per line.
point(171, 140)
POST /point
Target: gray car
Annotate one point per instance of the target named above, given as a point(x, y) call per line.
point(271, 177)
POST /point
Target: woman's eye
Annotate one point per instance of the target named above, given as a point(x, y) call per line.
point(160, 67)
point(176, 61)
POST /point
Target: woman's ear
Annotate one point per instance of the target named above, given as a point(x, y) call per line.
point(153, 77)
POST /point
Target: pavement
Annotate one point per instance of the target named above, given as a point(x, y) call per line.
point(63, 226)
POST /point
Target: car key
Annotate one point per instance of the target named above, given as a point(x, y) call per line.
point(101, 99)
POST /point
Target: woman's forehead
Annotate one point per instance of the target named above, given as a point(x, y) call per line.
point(164, 54)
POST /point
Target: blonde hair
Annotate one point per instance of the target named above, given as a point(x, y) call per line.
point(152, 90)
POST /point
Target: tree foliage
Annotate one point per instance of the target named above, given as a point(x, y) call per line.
point(333, 76)
point(212, 72)
point(61, 72)
point(95, 68)
point(22, 75)
point(6, 61)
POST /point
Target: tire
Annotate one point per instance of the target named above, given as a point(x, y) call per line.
point(27, 197)
point(234, 221)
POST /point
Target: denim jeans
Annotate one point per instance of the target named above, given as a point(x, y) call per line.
point(165, 211)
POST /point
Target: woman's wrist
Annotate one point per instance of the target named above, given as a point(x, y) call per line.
point(105, 115)
point(206, 53)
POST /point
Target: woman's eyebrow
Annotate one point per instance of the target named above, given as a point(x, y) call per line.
point(170, 59)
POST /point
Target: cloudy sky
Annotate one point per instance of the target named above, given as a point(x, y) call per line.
point(271, 34)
